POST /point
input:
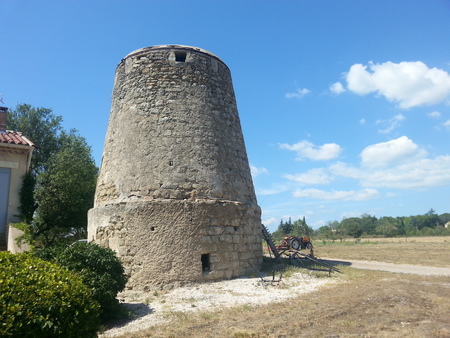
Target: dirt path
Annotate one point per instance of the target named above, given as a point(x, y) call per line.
point(391, 267)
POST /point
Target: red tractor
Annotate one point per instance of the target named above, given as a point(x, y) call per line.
point(296, 243)
point(290, 246)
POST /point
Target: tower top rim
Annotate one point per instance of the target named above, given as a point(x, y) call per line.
point(173, 47)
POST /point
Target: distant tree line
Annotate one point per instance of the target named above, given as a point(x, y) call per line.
point(428, 224)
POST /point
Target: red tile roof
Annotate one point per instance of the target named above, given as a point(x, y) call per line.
point(14, 137)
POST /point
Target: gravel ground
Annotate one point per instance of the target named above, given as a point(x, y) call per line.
point(210, 296)
point(251, 291)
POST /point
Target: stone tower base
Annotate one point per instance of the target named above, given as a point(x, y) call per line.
point(169, 243)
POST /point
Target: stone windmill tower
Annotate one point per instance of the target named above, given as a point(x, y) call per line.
point(175, 197)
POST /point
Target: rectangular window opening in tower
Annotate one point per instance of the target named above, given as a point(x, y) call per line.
point(205, 263)
point(180, 56)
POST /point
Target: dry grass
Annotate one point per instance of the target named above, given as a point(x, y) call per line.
point(424, 239)
point(432, 251)
point(366, 303)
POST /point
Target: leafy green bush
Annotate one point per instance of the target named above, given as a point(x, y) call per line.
point(100, 269)
point(49, 254)
point(41, 299)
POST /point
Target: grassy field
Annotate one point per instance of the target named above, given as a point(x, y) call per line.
point(362, 303)
point(432, 251)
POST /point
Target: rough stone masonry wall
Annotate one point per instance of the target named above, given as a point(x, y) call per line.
point(175, 187)
point(174, 131)
point(161, 242)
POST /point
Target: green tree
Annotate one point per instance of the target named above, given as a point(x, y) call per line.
point(368, 224)
point(334, 225)
point(402, 230)
point(388, 226)
point(432, 219)
point(427, 220)
point(27, 203)
point(42, 128)
point(325, 232)
point(300, 228)
point(59, 189)
point(444, 218)
point(65, 192)
point(410, 226)
point(352, 226)
point(284, 229)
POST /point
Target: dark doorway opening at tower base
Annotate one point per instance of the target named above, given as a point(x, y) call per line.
point(180, 56)
point(205, 263)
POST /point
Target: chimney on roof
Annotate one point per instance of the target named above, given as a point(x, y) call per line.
point(3, 119)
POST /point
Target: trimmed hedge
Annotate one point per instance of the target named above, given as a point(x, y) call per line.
point(41, 299)
point(98, 267)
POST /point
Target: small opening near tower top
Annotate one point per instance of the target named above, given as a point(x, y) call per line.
point(180, 56)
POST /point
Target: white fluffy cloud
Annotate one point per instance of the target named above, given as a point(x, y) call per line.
point(345, 170)
point(399, 163)
point(276, 189)
point(434, 114)
point(391, 153)
point(313, 176)
point(409, 84)
point(351, 195)
point(298, 94)
point(307, 150)
point(391, 124)
point(270, 221)
point(255, 171)
point(396, 164)
point(337, 88)
point(419, 174)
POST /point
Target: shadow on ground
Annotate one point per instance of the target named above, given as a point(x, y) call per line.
point(336, 262)
point(136, 310)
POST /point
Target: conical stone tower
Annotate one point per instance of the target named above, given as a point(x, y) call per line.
point(175, 197)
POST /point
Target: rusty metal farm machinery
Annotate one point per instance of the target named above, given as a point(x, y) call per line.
point(291, 247)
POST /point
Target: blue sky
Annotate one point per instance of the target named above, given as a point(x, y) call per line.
point(344, 105)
